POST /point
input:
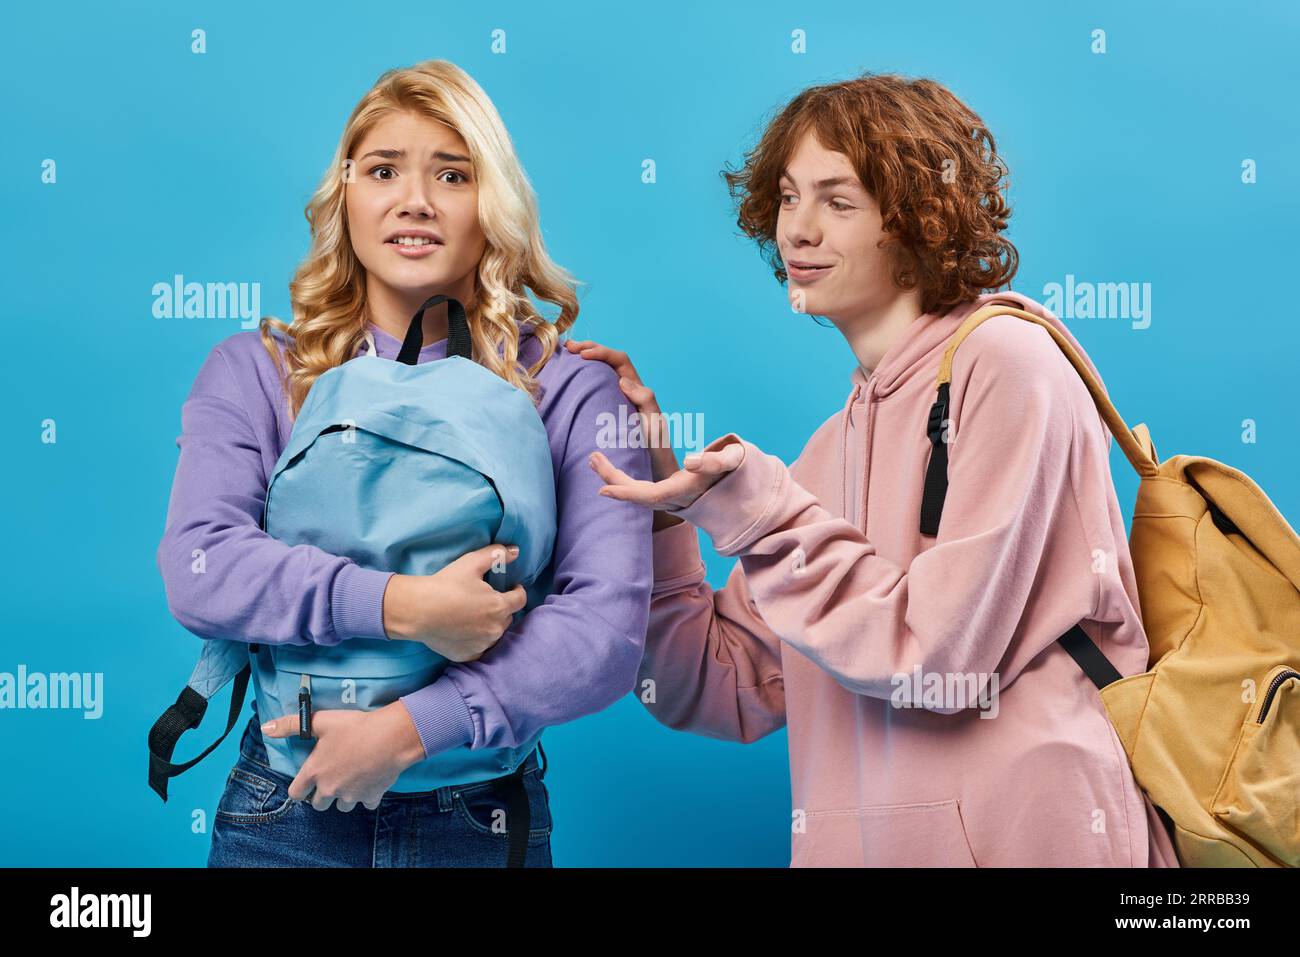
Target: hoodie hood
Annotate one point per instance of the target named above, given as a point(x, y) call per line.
point(928, 336)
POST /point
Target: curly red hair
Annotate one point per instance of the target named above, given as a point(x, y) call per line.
point(926, 158)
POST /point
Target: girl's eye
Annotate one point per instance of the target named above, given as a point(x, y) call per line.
point(452, 172)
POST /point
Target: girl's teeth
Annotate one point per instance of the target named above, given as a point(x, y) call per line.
point(413, 241)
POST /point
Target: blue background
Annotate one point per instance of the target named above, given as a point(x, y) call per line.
point(1125, 167)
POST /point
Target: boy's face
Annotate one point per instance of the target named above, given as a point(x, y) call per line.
point(414, 174)
point(827, 219)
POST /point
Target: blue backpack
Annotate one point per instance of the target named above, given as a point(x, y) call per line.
point(400, 467)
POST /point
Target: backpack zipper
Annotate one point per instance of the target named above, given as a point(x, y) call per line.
point(304, 706)
point(1272, 691)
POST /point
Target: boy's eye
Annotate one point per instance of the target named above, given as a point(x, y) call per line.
point(785, 196)
point(837, 205)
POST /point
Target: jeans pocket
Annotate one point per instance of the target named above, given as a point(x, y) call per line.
point(251, 797)
point(484, 807)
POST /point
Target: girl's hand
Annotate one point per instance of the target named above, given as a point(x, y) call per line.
point(672, 487)
point(357, 757)
point(454, 611)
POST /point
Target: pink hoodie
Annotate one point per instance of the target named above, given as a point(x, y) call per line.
point(837, 592)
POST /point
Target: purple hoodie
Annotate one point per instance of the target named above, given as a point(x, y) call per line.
point(571, 656)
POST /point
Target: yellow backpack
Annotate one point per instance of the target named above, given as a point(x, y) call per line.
point(1212, 730)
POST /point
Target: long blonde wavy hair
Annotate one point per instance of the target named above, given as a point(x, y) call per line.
point(328, 290)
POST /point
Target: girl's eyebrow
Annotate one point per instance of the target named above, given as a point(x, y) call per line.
point(437, 154)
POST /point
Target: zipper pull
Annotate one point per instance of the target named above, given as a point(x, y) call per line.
point(304, 707)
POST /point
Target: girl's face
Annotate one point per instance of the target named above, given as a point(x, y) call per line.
point(828, 233)
point(412, 175)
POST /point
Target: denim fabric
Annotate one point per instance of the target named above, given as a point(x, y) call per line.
point(257, 825)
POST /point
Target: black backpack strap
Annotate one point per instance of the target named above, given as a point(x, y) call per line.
point(1076, 641)
point(936, 473)
point(185, 714)
point(1102, 673)
point(459, 341)
point(1170, 828)
point(519, 816)
point(1089, 657)
point(216, 667)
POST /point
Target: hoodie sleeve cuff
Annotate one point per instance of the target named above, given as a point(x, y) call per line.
point(734, 510)
point(441, 717)
point(357, 602)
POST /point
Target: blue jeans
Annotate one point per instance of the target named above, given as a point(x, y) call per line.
point(257, 825)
